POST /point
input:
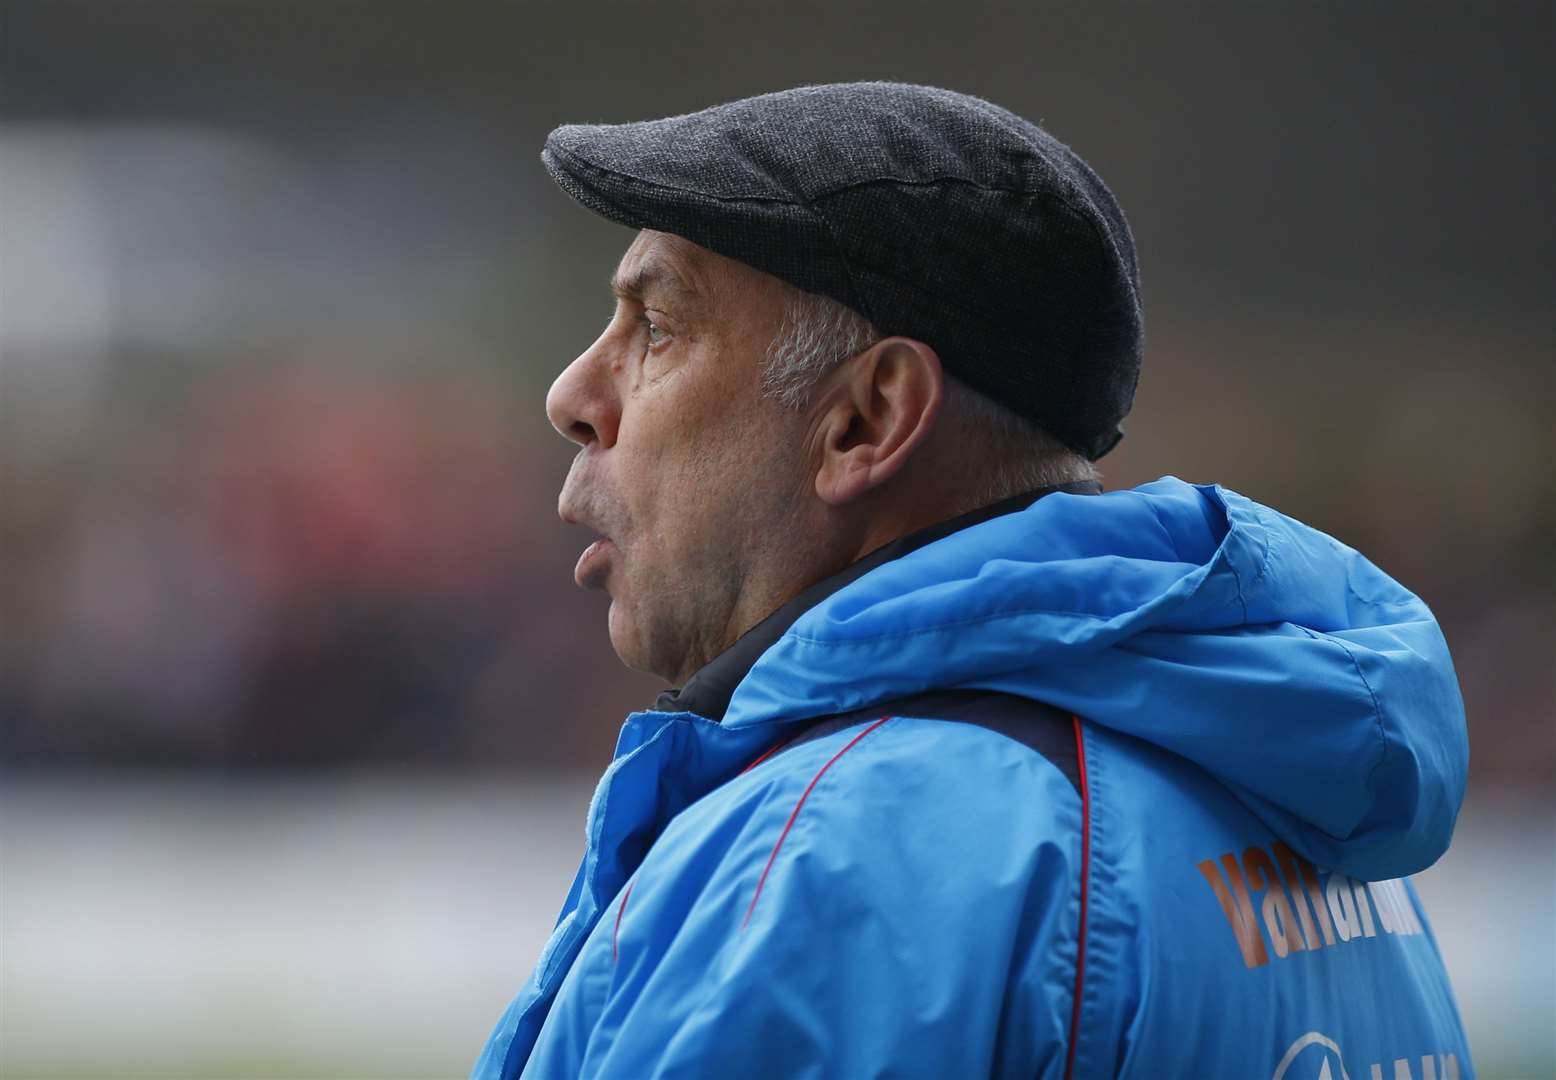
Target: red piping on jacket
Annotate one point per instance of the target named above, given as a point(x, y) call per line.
point(620, 911)
point(769, 752)
point(796, 812)
point(1080, 941)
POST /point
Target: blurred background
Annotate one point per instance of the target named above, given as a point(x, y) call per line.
point(300, 708)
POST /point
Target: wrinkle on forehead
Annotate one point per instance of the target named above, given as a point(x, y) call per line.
point(660, 267)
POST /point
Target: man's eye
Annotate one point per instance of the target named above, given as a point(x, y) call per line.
point(657, 334)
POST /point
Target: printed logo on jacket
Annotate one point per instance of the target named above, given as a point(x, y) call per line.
point(1296, 912)
point(1315, 1056)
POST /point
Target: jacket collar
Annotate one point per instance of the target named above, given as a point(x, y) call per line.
point(708, 691)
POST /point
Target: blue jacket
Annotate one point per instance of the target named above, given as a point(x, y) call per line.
point(1187, 861)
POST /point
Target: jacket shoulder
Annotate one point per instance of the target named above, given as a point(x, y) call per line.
point(985, 780)
point(1043, 729)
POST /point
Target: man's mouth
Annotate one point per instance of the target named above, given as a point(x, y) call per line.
point(575, 508)
point(594, 564)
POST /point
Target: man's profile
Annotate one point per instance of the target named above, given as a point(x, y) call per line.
point(969, 769)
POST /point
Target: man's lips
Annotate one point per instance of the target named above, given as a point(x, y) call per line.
point(575, 508)
point(594, 564)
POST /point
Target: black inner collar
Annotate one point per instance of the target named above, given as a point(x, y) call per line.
point(708, 691)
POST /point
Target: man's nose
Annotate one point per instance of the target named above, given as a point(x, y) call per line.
point(582, 404)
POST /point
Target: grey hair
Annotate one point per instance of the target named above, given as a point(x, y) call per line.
point(817, 334)
point(1014, 454)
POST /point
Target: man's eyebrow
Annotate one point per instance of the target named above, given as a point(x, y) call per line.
point(653, 277)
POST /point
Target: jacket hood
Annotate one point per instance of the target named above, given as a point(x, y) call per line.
point(1282, 662)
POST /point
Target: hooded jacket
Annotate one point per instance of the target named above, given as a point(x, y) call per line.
point(1115, 785)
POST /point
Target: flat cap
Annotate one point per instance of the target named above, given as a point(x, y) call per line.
point(936, 215)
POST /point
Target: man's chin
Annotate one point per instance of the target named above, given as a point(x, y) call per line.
point(623, 634)
point(628, 640)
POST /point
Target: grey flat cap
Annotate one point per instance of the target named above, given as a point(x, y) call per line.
point(936, 215)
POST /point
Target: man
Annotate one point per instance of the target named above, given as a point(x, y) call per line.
point(972, 770)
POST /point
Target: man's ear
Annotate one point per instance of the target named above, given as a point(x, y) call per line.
point(877, 411)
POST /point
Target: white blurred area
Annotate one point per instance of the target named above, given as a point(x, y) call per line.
point(370, 925)
point(182, 236)
point(203, 245)
point(375, 925)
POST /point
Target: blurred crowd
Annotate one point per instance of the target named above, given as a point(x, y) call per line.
point(299, 561)
point(294, 567)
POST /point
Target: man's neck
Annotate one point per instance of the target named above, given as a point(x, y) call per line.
point(790, 569)
point(708, 690)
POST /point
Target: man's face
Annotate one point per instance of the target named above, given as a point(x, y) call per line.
point(689, 474)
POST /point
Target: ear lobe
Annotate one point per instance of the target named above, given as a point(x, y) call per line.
point(880, 411)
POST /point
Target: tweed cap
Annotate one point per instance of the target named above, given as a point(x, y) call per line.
point(936, 215)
